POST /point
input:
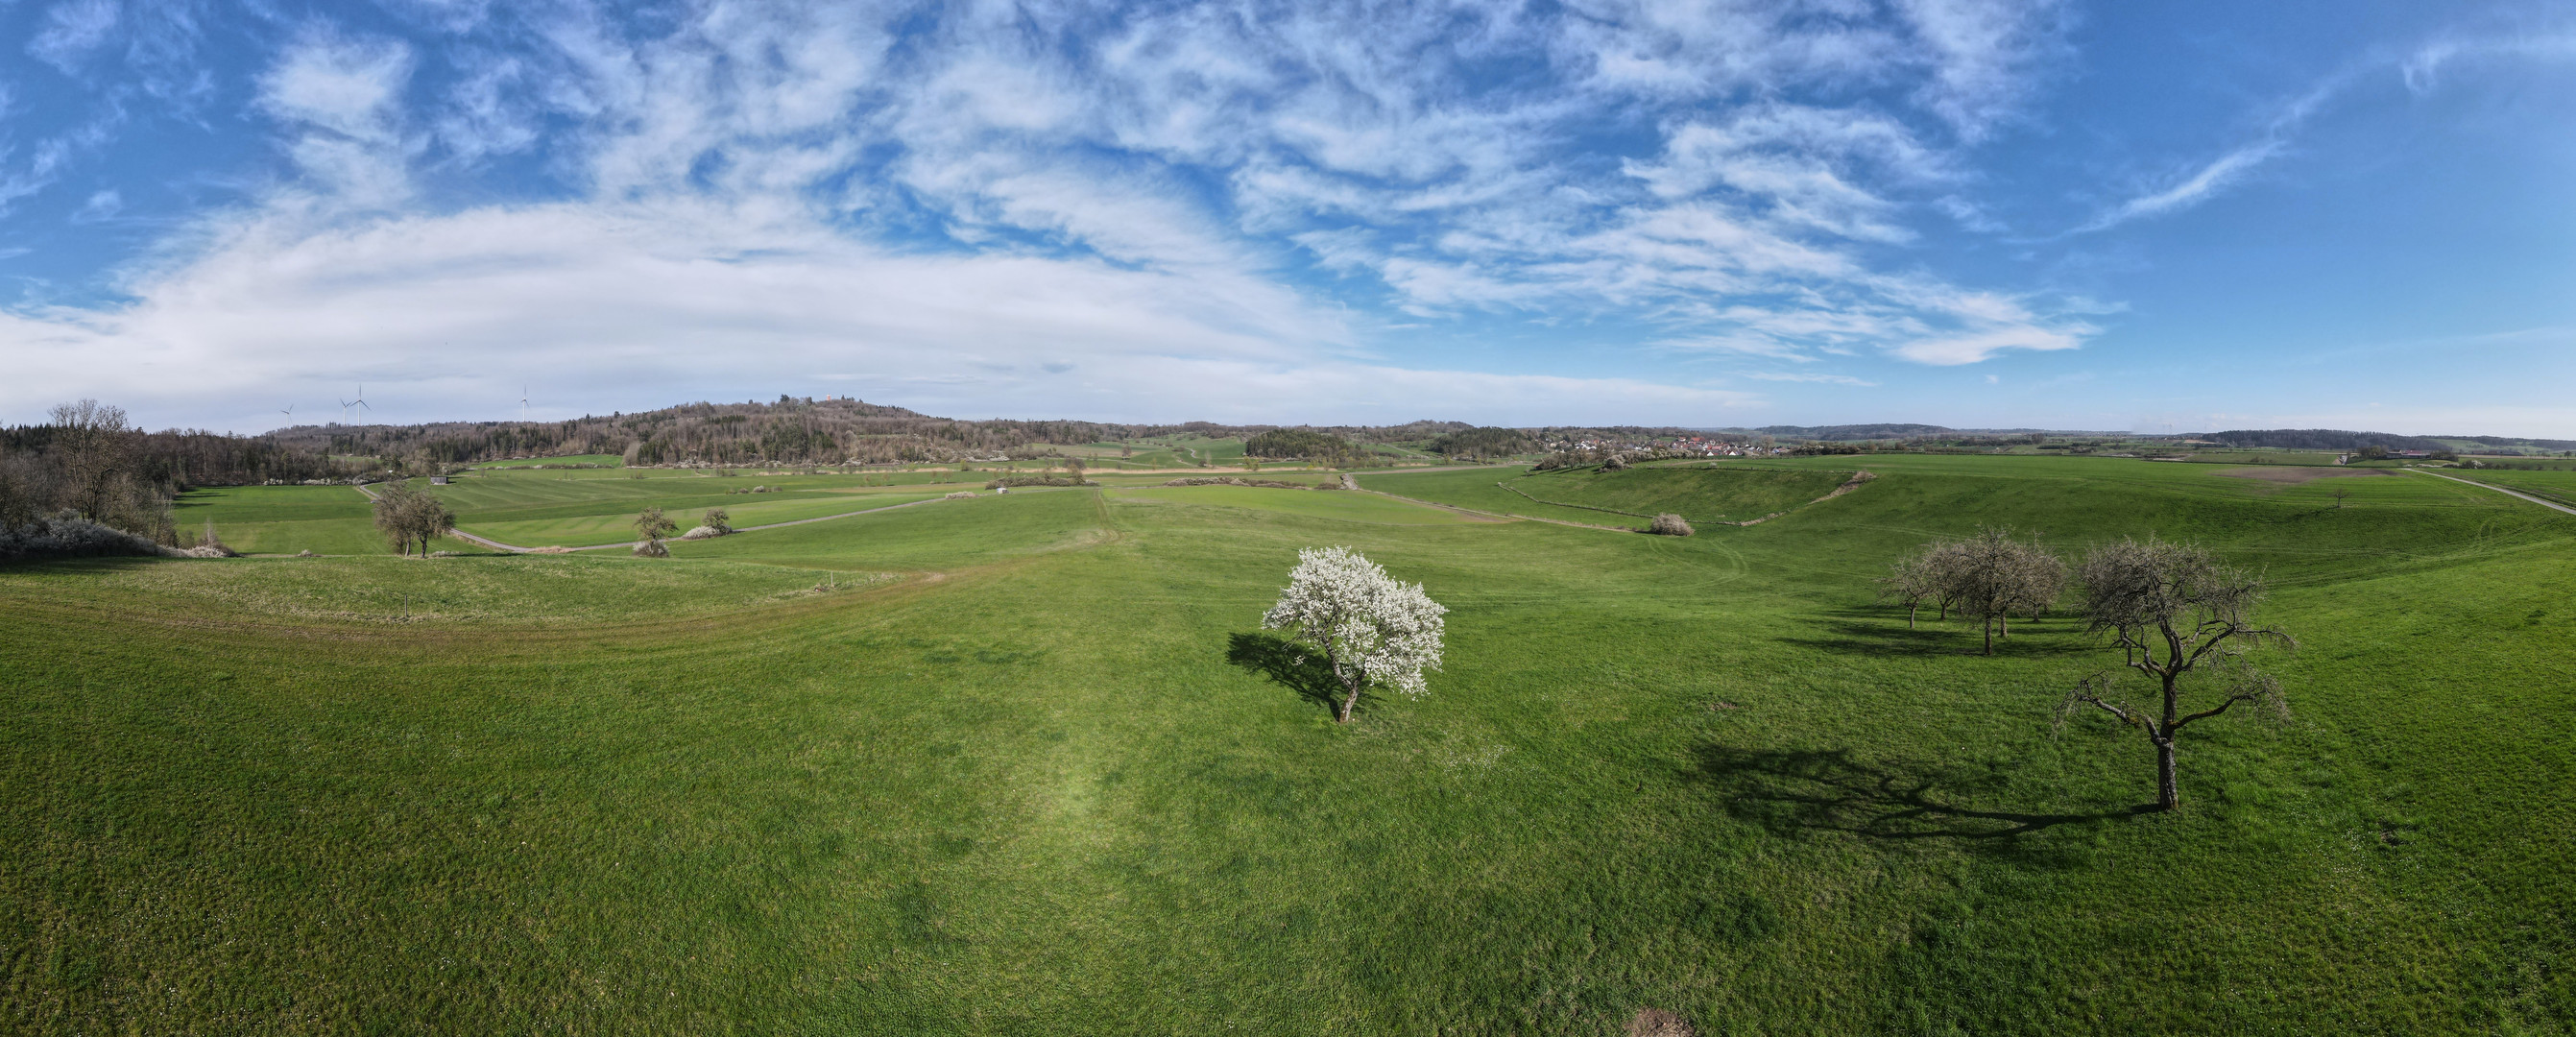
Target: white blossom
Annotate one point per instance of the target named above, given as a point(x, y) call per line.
point(1372, 629)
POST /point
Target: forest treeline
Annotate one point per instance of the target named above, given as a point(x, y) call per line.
point(786, 430)
point(802, 430)
point(88, 464)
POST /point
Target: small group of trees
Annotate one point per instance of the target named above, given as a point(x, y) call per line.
point(1479, 444)
point(1303, 444)
point(2174, 614)
point(1987, 577)
point(410, 517)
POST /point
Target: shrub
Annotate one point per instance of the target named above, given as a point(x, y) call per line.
point(652, 549)
point(1671, 525)
point(960, 493)
point(62, 536)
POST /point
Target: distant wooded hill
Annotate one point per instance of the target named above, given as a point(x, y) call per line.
point(788, 430)
point(2340, 439)
point(1854, 433)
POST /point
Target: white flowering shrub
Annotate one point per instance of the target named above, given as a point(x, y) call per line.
point(1373, 630)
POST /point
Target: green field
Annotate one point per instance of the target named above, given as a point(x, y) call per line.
point(533, 508)
point(2559, 486)
point(1024, 768)
point(1700, 493)
point(609, 460)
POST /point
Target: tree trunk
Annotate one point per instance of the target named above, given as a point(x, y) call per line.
point(1342, 713)
point(2168, 790)
point(1989, 626)
point(2004, 620)
point(1910, 610)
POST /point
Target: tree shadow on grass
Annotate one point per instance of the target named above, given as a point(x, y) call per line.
point(1300, 668)
point(1883, 632)
point(1800, 790)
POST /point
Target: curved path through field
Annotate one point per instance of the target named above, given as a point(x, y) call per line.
point(2551, 505)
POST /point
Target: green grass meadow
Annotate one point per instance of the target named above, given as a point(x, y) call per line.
point(1024, 765)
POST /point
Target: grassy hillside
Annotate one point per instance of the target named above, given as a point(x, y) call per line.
point(1701, 493)
point(1040, 779)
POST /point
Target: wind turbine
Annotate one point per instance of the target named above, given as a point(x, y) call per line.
point(360, 402)
point(523, 403)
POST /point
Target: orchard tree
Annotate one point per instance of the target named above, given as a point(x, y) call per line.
point(652, 526)
point(1987, 577)
point(1373, 630)
point(1915, 581)
point(409, 517)
point(2173, 612)
point(1993, 576)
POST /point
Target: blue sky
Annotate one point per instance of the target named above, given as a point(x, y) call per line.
point(2152, 216)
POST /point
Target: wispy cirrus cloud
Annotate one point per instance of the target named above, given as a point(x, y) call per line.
point(843, 189)
point(2418, 68)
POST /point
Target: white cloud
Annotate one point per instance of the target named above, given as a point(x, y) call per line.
point(2220, 173)
point(952, 199)
point(343, 98)
point(1974, 346)
point(1803, 376)
point(72, 30)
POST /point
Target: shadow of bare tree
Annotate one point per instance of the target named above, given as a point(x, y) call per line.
point(1883, 632)
point(1300, 668)
point(1789, 791)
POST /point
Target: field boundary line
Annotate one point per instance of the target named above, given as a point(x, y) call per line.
point(460, 533)
point(2551, 505)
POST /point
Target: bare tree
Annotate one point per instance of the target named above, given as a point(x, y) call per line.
point(2171, 610)
point(1989, 577)
point(411, 518)
point(2339, 494)
point(1914, 581)
point(94, 448)
point(392, 507)
point(426, 518)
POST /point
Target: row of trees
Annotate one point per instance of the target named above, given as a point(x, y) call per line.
point(2175, 615)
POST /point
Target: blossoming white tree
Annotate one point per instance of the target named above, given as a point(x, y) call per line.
point(1373, 630)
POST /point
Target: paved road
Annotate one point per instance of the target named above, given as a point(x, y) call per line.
point(2499, 489)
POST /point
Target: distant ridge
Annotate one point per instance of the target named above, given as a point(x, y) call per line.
point(1852, 433)
point(2341, 439)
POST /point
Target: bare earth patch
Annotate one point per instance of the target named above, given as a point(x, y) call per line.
point(1655, 1022)
point(2298, 474)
